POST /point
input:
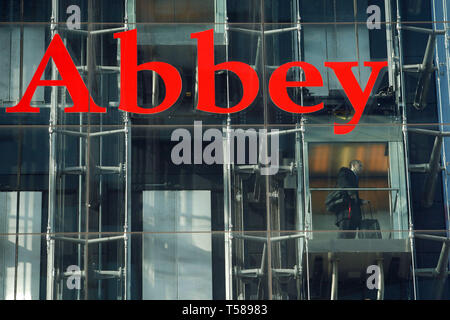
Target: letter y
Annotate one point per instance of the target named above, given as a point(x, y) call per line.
point(357, 97)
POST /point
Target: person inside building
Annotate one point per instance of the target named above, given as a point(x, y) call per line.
point(349, 216)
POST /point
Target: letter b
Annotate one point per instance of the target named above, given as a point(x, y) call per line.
point(206, 77)
point(128, 76)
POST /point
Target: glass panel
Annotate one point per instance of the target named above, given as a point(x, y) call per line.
point(431, 264)
point(250, 271)
point(339, 11)
point(24, 161)
point(319, 44)
point(190, 11)
point(194, 161)
point(35, 42)
point(244, 12)
point(22, 269)
point(10, 11)
point(18, 67)
point(182, 265)
point(83, 11)
point(416, 11)
point(289, 266)
point(285, 180)
point(182, 169)
point(198, 220)
point(156, 42)
point(348, 197)
point(359, 269)
point(25, 10)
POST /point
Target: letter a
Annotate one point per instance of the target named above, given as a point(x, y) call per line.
point(71, 79)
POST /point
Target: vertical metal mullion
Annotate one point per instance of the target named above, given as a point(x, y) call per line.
point(18, 187)
point(227, 214)
point(19, 155)
point(228, 227)
point(100, 193)
point(391, 213)
point(127, 221)
point(299, 163)
point(447, 55)
point(129, 16)
point(447, 67)
point(52, 168)
point(128, 5)
point(298, 51)
point(241, 228)
point(306, 197)
point(90, 75)
point(405, 146)
point(81, 142)
point(444, 174)
point(355, 21)
point(300, 210)
point(267, 180)
point(389, 41)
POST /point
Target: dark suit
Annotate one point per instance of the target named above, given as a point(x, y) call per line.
point(350, 217)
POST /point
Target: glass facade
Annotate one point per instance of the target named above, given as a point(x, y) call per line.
point(187, 204)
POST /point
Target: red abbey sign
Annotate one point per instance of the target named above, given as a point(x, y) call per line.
point(71, 79)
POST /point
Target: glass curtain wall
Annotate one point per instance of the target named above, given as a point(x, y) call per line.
point(188, 204)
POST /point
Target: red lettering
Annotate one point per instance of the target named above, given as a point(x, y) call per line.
point(206, 80)
point(71, 79)
point(278, 85)
point(128, 77)
point(357, 97)
point(83, 102)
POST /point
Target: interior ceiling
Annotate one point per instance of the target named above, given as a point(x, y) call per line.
point(325, 160)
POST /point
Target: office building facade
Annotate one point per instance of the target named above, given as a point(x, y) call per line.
point(172, 201)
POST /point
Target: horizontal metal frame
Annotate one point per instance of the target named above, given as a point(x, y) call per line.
point(282, 132)
point(271, 239)
point(354, 189)
point(85, 135)
point(431, 237)
point(266, 32)
point(429, 132)
point(100, 274)
point(89, 241)
point(428, 272)
point(257, 273)
point(249, 273)
point(86, 33)
point(420, 30)
point(422, 168)
point(102, 69)
point(257, 168)
point(100, 170)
